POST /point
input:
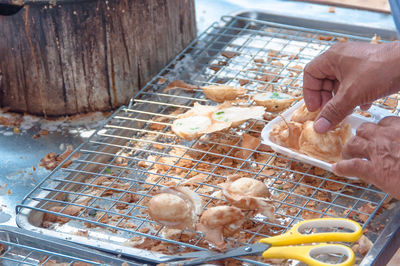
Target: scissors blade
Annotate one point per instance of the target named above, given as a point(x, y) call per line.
point(196, 254)
point(254, 249)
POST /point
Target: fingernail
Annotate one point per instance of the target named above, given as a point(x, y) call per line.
point(322, 125)
point(334, 168)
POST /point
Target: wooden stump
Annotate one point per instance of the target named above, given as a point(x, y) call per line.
point(64, 57)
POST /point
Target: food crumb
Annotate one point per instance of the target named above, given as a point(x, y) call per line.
point(376, 39)
point(391, 102)
point(43, 132)
point(363, 245)
point(342, 39)
point(162, 80)
point(229, 54)
point(243, 82)
point(16, 130)
point(52, 160)
point(331, 9)
point(84, 233)
point(324, 38)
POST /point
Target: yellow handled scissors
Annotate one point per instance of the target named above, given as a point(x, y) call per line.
point(288, 245)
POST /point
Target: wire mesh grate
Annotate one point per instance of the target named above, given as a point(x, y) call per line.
point(105, 192)
point(21, 248)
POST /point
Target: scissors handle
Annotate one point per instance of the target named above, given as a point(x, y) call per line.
point(308, 253)
point(299, 232)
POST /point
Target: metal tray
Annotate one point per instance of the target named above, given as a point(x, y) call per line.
point(137, 139)
point(21, 247)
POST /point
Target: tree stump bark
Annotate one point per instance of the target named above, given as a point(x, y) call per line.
point(63, 57)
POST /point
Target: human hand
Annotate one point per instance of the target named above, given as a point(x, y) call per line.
point(374, 155)
point(349, 75)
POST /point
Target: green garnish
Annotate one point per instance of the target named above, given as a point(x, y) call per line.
point(276, 95)
point(280, 187)
point(194, 128)
point(220, 112)
point(219, 117)
point(108, 171)
point(179, 124)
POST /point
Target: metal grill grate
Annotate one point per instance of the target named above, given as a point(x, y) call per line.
point(24, 248)
point(105, 191)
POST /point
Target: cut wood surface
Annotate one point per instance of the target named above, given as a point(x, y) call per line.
point(374, 5)
point(71, 57)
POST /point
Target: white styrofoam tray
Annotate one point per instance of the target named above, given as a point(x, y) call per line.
point(354, 119)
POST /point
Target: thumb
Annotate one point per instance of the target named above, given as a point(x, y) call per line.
point(334, 111)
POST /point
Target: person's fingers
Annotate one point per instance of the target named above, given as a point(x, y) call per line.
point(312, 99)
point(366, 130)
point(319, 68)
point(336, 85)
point(365, 107)
point(354, 168)
point(325, 97)
point(315, 74)
point(334, 111)
point(388, 121)
point(327, 85)
point(355, 147)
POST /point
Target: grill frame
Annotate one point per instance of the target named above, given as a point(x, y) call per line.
point(215, 39)
point(27, 248)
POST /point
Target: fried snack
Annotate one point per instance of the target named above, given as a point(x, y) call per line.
point(286, 134)
point(221, 93)
point(274, 101)
point(327, 146)
point(237, 115)
point(219, 221)
point(302, 115)
point(249, 194)
point(191, 127)
point(197, 122)
point(299, 134)
point(180, 84)
point(249, 145)
point(175, 207)
point(203, 119)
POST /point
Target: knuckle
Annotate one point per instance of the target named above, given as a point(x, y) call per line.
point(351, 144)
point(389, 120)
point(334, 48)
point(366, 129)
point(337, 45)
point(334, 111)
point(354, 147)
point(307, 68)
